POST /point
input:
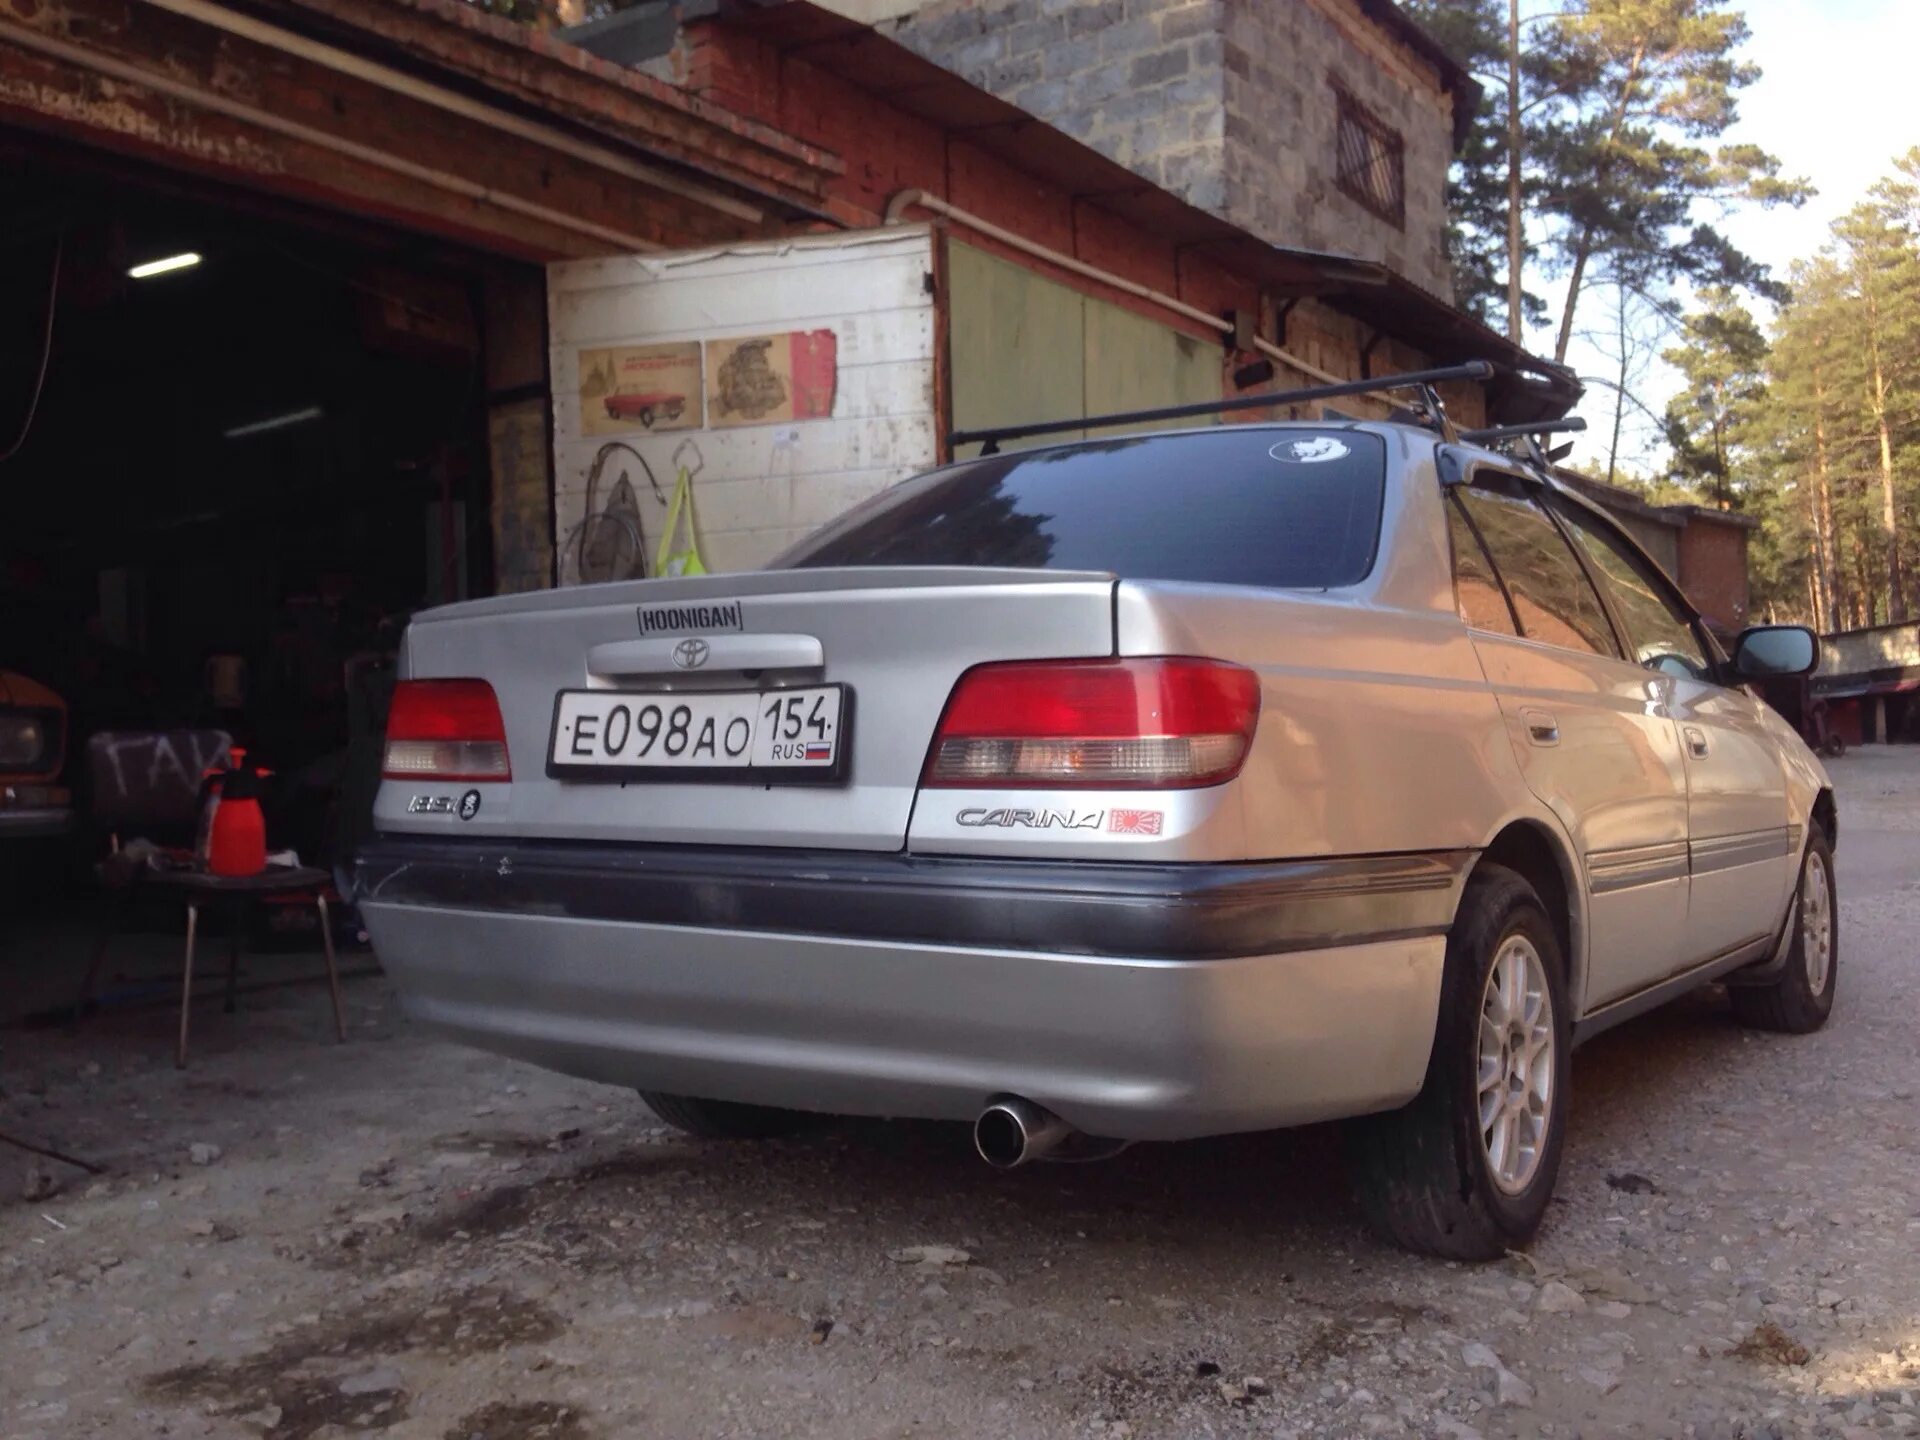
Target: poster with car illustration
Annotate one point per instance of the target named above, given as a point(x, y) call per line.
point(641, 387)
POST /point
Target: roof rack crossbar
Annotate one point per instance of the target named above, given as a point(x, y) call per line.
point(989, 440)
point(1573, 425)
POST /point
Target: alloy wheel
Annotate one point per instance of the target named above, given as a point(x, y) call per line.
point(1816, 924)
point(1516, 1064)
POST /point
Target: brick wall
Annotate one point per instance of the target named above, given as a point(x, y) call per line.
point(1229, 104)
point(887, 150)
point(1713, 570)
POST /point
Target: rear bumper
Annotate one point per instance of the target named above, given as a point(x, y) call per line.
point(1138, 1001)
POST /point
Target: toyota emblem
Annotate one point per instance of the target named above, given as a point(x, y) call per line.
point(691, 654)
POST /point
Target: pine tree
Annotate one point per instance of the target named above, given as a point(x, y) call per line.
point(1496, 158)
point(1641, 86)
point(1474, 33)
point(1877, 250)
point(1795, 431)
point(1722, 359)
point(1831, 460)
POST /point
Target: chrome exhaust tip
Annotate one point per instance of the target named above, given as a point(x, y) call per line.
point(1012, 1131)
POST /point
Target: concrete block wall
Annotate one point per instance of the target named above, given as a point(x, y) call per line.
point(1284, 59)
point(888, 150)
point(1229, 104)
point(1141, 81)
point(1859, 652)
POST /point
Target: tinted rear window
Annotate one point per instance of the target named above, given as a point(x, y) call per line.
point(1297, 509)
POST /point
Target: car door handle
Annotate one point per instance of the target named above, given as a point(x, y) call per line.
point(1542, 728)
point(1697, 742)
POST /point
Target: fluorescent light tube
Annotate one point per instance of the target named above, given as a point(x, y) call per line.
point(275, 422)
point(162, 267)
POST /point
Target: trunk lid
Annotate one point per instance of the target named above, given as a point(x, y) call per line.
point(898, 638)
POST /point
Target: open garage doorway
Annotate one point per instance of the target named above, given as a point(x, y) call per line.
point(244, 441)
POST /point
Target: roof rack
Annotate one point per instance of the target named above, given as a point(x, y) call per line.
point(1533, 452)
point(1421, 380)
point(1570, 426)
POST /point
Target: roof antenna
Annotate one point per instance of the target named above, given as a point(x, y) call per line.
point(1429, 412)
point(1437, 412)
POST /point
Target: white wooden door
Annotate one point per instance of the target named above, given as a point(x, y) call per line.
point(764, 478)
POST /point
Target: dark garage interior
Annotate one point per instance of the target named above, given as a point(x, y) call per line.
point(227, 481)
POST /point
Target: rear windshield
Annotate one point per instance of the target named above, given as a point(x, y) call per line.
point(1295, 508)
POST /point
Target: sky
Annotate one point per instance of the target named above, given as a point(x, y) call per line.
point(1838, 99)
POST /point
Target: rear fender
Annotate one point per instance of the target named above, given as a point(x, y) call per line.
point(1539, 829)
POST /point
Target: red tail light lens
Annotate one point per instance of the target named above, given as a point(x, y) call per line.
point(445, 730)
point(1108, 724)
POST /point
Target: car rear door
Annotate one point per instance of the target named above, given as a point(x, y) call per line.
point(1742, 854)
point(1590, 729)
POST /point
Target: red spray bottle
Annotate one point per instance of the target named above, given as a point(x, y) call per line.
point(233, 832)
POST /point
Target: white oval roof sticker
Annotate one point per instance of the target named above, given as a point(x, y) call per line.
point(1314, 450)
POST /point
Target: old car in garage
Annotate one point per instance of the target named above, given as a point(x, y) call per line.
point(33, 752)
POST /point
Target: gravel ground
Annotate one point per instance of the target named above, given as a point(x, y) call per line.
point(296, 1239)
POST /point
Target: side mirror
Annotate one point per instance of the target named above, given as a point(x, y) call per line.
point(1767, 652)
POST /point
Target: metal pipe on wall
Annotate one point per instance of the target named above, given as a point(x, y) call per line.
point(906, 200)
point(57, 49)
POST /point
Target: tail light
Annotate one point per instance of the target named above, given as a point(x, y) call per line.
point(1109, 724)
point(445, 730)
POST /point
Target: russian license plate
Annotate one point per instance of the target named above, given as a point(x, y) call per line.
point(760, 736)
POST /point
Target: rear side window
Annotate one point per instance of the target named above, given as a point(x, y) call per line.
point(1241, 505)
point(1483, 604)
point(1555, 601)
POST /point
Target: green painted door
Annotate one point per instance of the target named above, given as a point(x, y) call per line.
point(1025, 348)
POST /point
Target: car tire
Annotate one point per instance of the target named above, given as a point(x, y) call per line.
point(1799, 999)
point(1431, 1176)
point(723, 1119)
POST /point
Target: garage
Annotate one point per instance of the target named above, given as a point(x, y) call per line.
point(323, 311)
point(273, 377)
point(246, 440)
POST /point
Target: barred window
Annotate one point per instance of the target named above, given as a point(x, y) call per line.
point(1371, 165)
